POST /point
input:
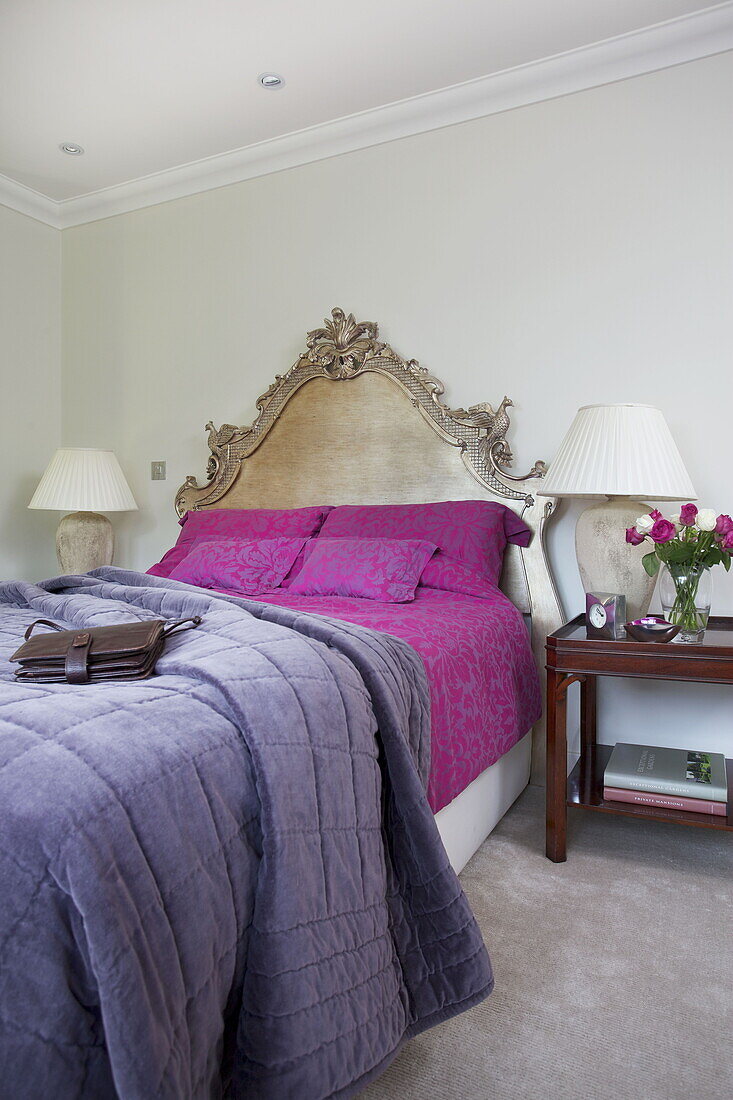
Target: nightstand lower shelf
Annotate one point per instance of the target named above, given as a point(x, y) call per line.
point(585, 790)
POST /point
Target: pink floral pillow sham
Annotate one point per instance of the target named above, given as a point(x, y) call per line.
point(474, 532)
point(372, 569)
point(239, 565)
point(451, 575)
point(242, 523)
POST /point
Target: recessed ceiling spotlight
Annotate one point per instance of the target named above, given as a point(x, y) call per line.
point(71, 149)
point(271, 80)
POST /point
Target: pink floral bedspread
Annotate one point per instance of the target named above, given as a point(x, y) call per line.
point(484, 687)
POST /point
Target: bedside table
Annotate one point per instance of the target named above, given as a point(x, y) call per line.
point(574, 658)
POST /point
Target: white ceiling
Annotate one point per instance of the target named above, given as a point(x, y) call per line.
point(148, 85)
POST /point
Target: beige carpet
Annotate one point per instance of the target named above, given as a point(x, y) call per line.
point(613, 970)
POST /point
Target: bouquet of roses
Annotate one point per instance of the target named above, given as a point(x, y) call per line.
point(691, 538)
point(688, 545)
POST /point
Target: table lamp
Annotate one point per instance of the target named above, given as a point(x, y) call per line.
point(619, 452)
point(83, 481)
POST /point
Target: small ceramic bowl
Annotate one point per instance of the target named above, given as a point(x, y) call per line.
point(652, 628)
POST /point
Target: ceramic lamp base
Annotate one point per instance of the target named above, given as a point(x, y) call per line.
point(84, 541)
point(607, 563)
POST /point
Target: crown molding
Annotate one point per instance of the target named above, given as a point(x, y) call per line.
point(688, 38)
point(29, 202)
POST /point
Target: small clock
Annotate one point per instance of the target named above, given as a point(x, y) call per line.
point(605, 614)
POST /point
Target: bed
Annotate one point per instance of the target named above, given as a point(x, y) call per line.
point(151, 939)
point(354, 423)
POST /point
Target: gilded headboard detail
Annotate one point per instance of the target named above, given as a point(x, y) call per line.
point(352, 422)
point(341, 350)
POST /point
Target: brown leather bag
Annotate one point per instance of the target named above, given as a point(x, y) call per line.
point(125, 651)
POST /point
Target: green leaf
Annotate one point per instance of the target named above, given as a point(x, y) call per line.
point(713, 557)
point(679, 552)
point(651, 563)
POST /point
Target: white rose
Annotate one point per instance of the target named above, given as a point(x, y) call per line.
point(675, 519)
point(644, 524)
point(706, 519)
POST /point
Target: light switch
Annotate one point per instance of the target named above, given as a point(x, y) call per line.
point(157, 471)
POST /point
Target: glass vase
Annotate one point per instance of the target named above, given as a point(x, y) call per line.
point(686, 593)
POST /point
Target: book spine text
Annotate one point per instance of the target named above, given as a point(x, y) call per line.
point(661, 786)
point(668, 802)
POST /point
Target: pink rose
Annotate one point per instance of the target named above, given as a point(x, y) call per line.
point(688, 514)
point(727, 542)
point(663, 531)
point(656, 514)
point(724, 525)
point(633, 536)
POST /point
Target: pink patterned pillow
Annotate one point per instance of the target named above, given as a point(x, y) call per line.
point(239, 565)
point(374, 569)
point(242, 523)
point(474, 532)
point(451, 575)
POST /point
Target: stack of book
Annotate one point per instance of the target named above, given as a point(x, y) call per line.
point(674, 779)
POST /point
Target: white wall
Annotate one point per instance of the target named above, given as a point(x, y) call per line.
point(30, 389)
point(570, 252)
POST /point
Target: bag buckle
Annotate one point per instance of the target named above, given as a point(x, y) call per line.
point(76, 666)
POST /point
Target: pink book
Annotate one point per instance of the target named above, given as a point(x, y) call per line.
point(666, 801)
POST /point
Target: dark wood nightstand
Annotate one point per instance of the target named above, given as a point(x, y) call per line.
point(574, 658)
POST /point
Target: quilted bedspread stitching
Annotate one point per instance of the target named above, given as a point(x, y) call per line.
point(237, 855)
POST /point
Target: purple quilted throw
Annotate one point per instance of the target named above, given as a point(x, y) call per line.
point(484, 688)
point(375, 569)
point(239, 565)
point(224, 880)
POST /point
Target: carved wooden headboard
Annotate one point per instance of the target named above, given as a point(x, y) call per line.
point(352, 422)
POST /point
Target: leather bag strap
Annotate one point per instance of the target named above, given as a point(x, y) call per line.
point(76, 667)
point(41, 622)
point(182, 624)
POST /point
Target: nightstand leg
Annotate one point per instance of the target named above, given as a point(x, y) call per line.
point(557, 766)
point(588, 712)
point(587, 736)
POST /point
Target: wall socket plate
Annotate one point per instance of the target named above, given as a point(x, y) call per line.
point(157, 471)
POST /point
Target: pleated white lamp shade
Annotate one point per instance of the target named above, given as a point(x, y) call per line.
point(79, 479)
point(619, 450)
